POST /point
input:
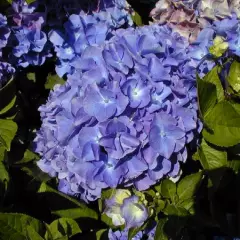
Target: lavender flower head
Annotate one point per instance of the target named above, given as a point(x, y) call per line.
point(6, 73)
point(4, 33)
point(125, 115)
point(82, 30)
point(28, 41)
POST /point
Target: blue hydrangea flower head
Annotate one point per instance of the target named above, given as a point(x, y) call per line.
point(123, 101)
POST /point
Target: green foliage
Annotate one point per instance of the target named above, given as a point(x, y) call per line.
point(234, 76)
point(8, 129)
point(137, 19)
point(4, 176)
point(227, 125)
point(210, 157)
point(29, 156)
point(168, 189)
point(52, 80)
point(188, 185)
point(18, 226)
point(159, 234)
point(100, 234)
point(80, 210)
point(62, 227)
point(207, 96)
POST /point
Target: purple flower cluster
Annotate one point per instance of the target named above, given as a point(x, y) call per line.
point(4, 33)
point(123, 235)
point(124, 117)
point(6, 73)
point(111, 10)
point(82, 30)
point(228, 29)
point(27, 41)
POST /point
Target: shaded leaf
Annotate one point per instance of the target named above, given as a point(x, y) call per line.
point(63, 227)
point(168, 189)
point(234, 165)
point(80, 211)
point(210, 157)
point(160, 234)
point(188, 185)
point(8, 129)
point(234, 76)
point(15, 226)
point(213, 78)
point(222, 124)
point(32, 234)
point(207, 96)
point(29, 156)
point(101, 233)
point(7, 108)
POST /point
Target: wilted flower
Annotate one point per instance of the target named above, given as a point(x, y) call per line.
point(178, 16)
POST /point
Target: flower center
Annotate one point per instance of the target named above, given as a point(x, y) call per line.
point(135, 92)
point(162, 133)
point(106, 100)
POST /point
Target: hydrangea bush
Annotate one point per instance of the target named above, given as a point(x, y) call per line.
point(118, 126)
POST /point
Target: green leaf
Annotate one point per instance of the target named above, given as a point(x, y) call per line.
point(160, 234)
point(52, 80)
point(63, 227)
point(32, 234)
point(160, 205)
point(224, 121)
point(188, 185)
point(4, 176)
point(207, 96)
point(174, 210)
point(234, 76)
point(80, 211)
point(7, 96)
point(137, 19)
point(6, 109)
point(35, 172)
point(210, 157)
point(213, 77)
point(8, 129)
point(187, 204)
point(31, 76)
point(29, 156)
point(168, 189)
point(29, 1)
point(14, 226)
point(234, 165)
point(100, 233)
